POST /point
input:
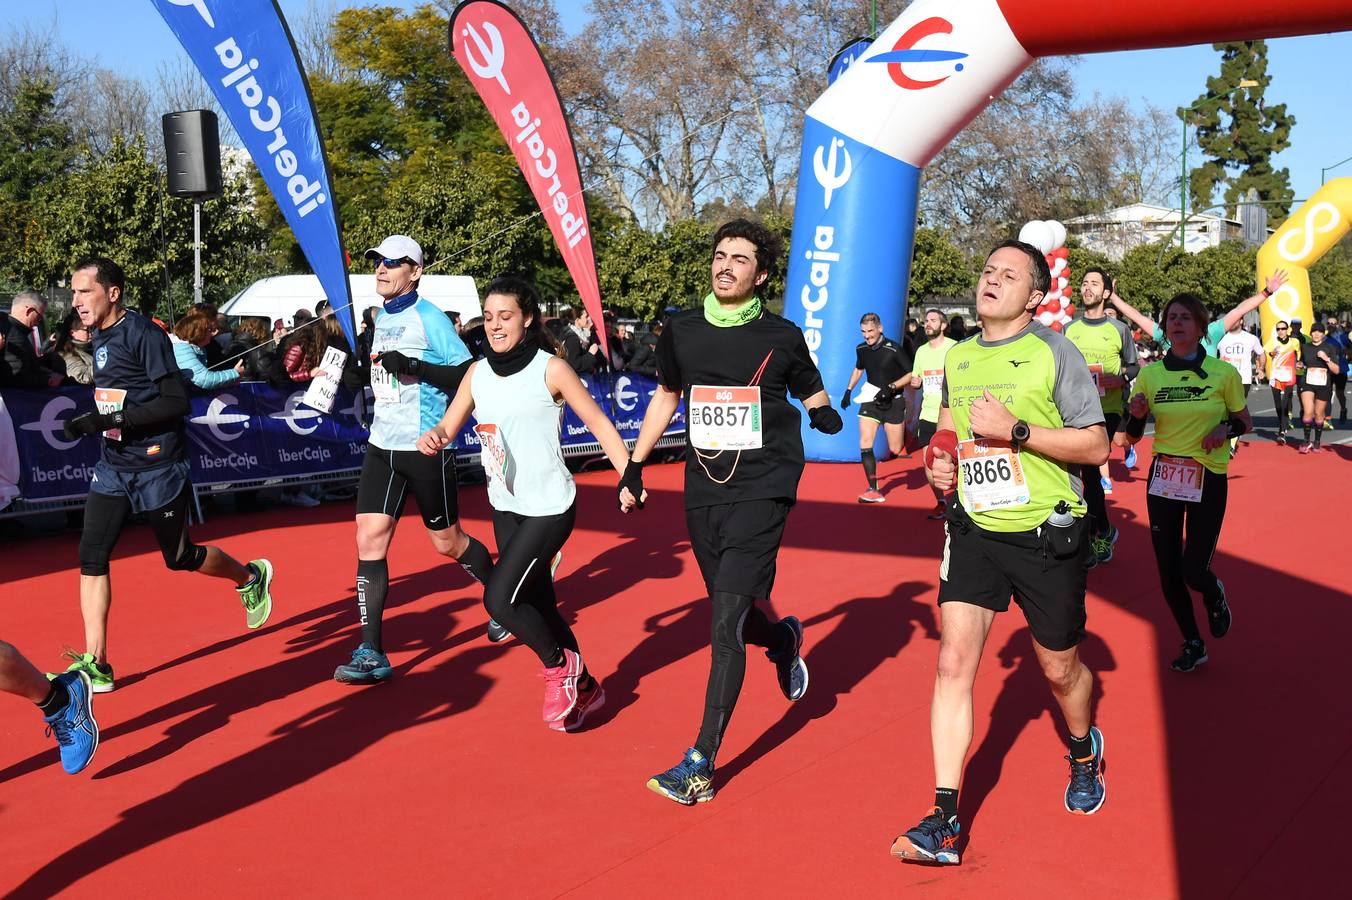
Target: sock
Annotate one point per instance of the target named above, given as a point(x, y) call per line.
point(254, 574)
point(556, 660)
point(1081, 748)
point(870, 461)
point(1318, 431)
point(1306, 423)
point(947, 801)
point(57, 698)
point(373, 582)
point(476, 561)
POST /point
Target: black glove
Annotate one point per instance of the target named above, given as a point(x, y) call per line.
point(92, 423)
point(632, 479)
point(397, 363)
point(845, 400)
point(825, 419)
point(883, 399)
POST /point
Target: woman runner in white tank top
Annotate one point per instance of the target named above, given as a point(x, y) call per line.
point(516, 395)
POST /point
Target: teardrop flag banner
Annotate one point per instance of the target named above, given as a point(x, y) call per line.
point(503, 62)
point(244, 50)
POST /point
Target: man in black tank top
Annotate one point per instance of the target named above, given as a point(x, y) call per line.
point(736, 364)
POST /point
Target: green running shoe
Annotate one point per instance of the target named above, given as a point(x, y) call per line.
point(100, 677)
point(1103, 546)
point(256, 595)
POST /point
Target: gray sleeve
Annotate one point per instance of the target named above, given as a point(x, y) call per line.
point(1130, 364)
point(1073, 393)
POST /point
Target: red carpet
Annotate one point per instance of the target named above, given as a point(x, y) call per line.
point(231, 763)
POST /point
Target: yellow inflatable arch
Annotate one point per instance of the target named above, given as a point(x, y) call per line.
point(1310, 232)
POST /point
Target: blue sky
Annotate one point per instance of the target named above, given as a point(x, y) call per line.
point(1308, 72)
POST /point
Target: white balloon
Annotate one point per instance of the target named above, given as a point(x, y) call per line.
point(1058, 266)
point(1058, 234)
point(1062, 282)
point(1039, 234)
point(1046, 317)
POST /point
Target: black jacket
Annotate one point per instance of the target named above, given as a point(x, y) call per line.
point(25, 368)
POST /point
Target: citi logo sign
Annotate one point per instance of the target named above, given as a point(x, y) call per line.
point(52, 425)
point(218, 415)
point(904, 51)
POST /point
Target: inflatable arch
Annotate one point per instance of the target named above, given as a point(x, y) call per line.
point(867, 138)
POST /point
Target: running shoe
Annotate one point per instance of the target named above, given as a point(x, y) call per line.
point(934, 840)
point(937, 513)
point(1107, 484)
point(1194, 654)
point(1280, 439)
point(1328, 424)
point(589, 700)
point(1315, 448)
point(1103, 545)
point(561, 688)
point(1218, 616)
point(1306, 448)
point(77, 734)
point(688, 782)
point(100, 677)
point(1086, 790)
point(496, 633)
point(871, 496)
point(1131, 457)
point(789, 665)
point(368, 666)
point(257, 594)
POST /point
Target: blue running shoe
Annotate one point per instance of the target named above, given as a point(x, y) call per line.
point(368, 666)
point(1131, 457)
point(77, 734)
point(1107, 484)
point(1085, 793)
point(934, 840)
point(789, 665)
point(688, 782)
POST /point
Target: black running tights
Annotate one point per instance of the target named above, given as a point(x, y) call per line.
point(1281, 400)
point(737, 621)
point(1181, 565)
point(519, 594)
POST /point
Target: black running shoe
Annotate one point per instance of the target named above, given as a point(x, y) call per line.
point(496, 633)
point(1218, 616)
point(789, 665)
point(934, 840)
point(1194, 654)
point(1086, 789)
point(688, 782)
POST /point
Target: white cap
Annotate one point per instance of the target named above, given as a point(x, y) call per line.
point(397, 246)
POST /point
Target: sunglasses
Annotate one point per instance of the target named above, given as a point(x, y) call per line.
point(391, 263)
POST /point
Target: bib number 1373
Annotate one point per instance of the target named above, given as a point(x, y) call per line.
point(724, 418)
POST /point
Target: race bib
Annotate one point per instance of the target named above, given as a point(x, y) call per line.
point(493, 456)
point(1283, 373)
point(110, 400)
point(1177, 478)
point(724, 418)
point(384, 385)
point(1316, 377)
point(991, 474)
point(1095, 370)
point(932, 381)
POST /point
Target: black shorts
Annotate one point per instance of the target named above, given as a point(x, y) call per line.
point(893, 415)
point(924, 431)
point(1321, 392)
point(146, 490)
point(985, 568)
point(387, 476)
point(737, 544)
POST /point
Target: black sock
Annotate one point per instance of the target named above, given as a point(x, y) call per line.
point(870, 461)
point(1306, 423)
point(476, 561)
point(1318, 431)
point(947, 801)
point(57, 698)
point(1081, 747)
point(556, 660)
point(373, 582)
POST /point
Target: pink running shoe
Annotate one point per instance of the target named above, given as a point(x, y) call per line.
point(1306, 448)
point(561, 689)
point(871, 496)
point(589, 700)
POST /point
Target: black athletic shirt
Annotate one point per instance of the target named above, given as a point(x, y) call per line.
point(132, 355)
point(884, 362)
point(693, 352)
point(1309, 354)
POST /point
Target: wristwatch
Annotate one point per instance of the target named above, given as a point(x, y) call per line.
point(1019, 433)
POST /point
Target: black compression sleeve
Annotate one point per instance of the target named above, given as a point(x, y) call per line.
point(1130, 370)
point(171, 404)
point(447, 378)
point(1135, 427)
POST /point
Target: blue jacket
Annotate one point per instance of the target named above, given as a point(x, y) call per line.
point(193, 361)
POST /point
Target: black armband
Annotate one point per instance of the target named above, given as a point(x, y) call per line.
point(446, 378)
point(171, 404)
point(1237, 426)
point(1135, 428)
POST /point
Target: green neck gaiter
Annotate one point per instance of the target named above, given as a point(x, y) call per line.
point(715, 314)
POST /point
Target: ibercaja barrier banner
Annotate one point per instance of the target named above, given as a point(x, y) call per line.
point(501, 59)
point(250, 431)
point(244, 50)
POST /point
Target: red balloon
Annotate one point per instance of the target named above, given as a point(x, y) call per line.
point(1063, 252)
point(1054, 306)
point(1057, 326)
point(1070, 310)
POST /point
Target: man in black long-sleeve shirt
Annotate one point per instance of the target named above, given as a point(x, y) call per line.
point(24, 368)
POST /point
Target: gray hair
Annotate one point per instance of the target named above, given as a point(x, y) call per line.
point(29, 298)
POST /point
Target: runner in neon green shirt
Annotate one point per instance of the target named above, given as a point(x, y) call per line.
point(929, 374)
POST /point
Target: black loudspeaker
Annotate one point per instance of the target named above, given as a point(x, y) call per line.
point(192, 146)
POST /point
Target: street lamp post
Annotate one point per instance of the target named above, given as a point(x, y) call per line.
point(1332, 167)
point(1183, 180)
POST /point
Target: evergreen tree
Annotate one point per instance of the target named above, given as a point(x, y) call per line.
point(1240, 134)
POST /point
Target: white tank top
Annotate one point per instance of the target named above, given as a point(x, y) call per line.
point(518, 427)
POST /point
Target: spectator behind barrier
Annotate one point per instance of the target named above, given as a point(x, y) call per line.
point(644, 360)
point(579, 347)
point(353, 375)
point(473, 336)
point(71, 343)
point(252, 345)
point(304, 348)
point(193, 334)
point(26, 367)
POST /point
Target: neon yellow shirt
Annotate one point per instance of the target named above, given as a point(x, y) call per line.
point(1105, 343)
point(1186, 408)
point(929, 368)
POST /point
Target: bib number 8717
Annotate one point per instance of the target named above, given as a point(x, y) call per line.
point(986, 471)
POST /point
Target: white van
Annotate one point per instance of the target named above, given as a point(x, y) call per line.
point(280, 296)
